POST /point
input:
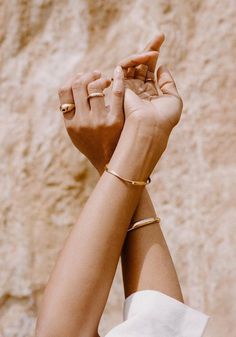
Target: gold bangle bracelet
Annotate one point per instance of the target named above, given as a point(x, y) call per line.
point(132, 182)
point(145, 222)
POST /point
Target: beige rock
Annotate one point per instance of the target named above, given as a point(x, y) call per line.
point(45, 181)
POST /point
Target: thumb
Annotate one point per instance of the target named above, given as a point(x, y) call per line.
point(131, 102)
point(117, 94)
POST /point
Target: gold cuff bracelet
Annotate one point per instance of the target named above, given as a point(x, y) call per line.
point(145, 222)
point(132, 182)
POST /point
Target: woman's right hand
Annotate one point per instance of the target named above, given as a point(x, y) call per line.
point(147, 101)
point(160, 109)
point(152, 108)
point(155, 102)
point(148, 124)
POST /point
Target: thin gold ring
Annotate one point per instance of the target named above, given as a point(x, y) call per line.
point(67, 107)
point(96, 94)
point(149, 79)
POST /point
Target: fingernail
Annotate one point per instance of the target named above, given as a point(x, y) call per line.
point(118, 70)
point(97, 72)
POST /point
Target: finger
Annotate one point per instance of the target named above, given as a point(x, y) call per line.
point(150, 77)
point(125, 73)
point(131, 102)
point(117, 94)
point(166, 82)
point(141, 72)
point(80, 93)
point(130, 73)
point(154, 45)
point(97, 104)
point(66, 96)
point(151, 63)
point(136, 59)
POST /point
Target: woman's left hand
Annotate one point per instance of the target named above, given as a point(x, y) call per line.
point(93, 127)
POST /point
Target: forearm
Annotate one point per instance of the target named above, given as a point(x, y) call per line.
point(146, 261)
point(78, 288)
point(145, 208)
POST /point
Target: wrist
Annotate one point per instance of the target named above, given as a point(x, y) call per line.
point(138, 150)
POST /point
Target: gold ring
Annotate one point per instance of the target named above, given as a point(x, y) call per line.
point(67, 107)
point(150, 80)
point(96, 94)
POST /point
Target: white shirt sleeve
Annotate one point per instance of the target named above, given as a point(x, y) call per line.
point(150, 313)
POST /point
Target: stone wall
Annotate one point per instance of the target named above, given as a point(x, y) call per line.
point(44, 181)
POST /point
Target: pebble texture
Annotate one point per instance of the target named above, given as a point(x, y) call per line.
point(44, 181)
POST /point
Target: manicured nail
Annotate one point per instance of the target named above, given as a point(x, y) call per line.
point(118, 70)
point(97, 72)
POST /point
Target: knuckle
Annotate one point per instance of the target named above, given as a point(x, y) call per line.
point(63, 90)
point(88, 77)
point(76, 84)
point(93, 86)
point(77, 127)
point(118, 92)
point(78, 75)
point(83, 125)
point(96, 74)
point(100, 124)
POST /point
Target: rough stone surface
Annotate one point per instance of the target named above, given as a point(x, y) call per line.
point(45, 181)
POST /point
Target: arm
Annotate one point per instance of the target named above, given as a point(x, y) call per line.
point(79, 285)
point(146, 261)
point(77, 290)
point(85, 269)
point(80, 282)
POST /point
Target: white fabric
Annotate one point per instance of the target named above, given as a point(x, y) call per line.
point(150, 313)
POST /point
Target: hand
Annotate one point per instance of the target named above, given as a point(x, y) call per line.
point(151, 110)
point(145, 103)
point(93, 127)
point(158, 104)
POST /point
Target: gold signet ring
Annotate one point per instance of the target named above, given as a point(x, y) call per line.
point(67, 107)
